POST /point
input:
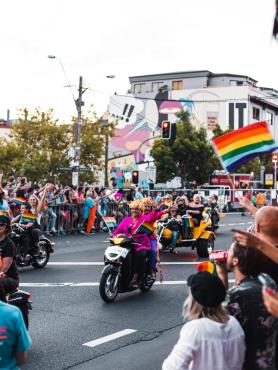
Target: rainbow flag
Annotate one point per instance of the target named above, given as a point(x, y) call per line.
point(145, 228)
point(28, 217)
point(188, 222)
point(237, 147)
point(18, 200)
point(110, 221)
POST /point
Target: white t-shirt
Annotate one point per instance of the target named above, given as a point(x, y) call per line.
point(208, 345)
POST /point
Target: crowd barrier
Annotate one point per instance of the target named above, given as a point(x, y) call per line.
point(66, 219)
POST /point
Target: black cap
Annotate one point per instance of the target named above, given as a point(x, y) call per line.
point(207, 289)
point(4, 219)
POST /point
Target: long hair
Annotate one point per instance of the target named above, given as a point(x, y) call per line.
point(275, 23)
point(193, 310)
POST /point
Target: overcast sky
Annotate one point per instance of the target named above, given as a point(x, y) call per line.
point(126, 38)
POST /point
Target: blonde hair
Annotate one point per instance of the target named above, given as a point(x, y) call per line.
point(193, 310)
point(146, 202)
point(135, 204)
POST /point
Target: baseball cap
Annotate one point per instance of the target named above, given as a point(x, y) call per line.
point(4, 219)
point(207, 289)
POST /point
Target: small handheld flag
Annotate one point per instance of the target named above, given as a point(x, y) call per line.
point(18, 201)
point(145, 228)
point(28, 217)
point(238, 147)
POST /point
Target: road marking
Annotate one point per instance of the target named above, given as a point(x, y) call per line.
point(102, 263)
point(96, 284)
point(108, 338)
point(238, 223)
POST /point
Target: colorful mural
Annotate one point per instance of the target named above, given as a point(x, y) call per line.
point(120, 171)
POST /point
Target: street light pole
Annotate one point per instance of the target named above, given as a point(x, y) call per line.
point(79, 103)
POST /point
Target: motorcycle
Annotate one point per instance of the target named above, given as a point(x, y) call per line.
point(200, 237)
point(22, 300)
point(37, 256)
point(117, 275)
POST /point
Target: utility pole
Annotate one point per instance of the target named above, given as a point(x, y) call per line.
point(79, 103)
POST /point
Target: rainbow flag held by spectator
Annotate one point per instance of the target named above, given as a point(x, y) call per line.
point(238, 147)
point(110, 221)
point(28, 217)
point(145, 228)
point(18, 201)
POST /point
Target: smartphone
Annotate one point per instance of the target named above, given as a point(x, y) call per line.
point(264, 282)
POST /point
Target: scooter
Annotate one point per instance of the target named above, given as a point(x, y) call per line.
point(37, 256)
point(117, 274)
point(22, 300)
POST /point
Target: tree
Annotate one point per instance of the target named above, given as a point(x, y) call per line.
point(190, 157)
point(39, 144)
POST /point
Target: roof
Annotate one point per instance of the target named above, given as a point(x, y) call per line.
point(264, 103)
point(184, 74)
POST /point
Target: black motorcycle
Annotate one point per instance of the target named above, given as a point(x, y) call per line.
point(117, 274)
point(22, 300)
point(37, 255)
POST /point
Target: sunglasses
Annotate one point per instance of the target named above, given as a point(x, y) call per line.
point(1, 225)
point(134, 209)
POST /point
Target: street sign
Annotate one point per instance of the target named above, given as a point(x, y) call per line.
point(64, 169)
point(151, 173)
point(268, 179)
point(85, 169)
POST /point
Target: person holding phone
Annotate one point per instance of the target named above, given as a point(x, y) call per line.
point(245, 303)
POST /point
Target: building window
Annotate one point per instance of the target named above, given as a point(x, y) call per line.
point(256, 113)
point(156, 86)
point(236, 83)
point(269, 118)
point(138, 88)
point(177, 85)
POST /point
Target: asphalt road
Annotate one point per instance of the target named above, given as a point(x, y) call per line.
point(68, 311)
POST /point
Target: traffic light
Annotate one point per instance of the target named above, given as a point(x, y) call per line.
point(275, 157)
point(166, 130)
point(135, 177)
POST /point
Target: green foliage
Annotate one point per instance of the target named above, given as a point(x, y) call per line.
point(190, 157)
point(39, 144)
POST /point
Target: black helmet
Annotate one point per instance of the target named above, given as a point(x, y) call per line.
point(4, 219)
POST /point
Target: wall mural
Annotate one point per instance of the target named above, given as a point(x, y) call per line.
point(140, 119)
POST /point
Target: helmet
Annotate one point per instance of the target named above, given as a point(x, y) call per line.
point(167, 234)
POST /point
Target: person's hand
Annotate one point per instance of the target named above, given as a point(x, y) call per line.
point(271, 301)
point(243, 201)
point(1, 177)
point(247, 239)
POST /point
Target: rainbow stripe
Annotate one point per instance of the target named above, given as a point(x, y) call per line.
point(110, 221)
point(28, 217)
point(188, 222)
point(18, 200)
point(236, 148)
point(145, 228)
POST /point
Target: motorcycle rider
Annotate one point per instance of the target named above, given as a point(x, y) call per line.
point(30, 235)
point(195, 209)
point(151, 215)
point(9, 278)
point(175, 225)
point(128, 227)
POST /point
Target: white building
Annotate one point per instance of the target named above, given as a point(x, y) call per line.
point(229, 100)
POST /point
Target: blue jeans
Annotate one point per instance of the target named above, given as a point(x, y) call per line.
point(153, 254)
point(175, 236)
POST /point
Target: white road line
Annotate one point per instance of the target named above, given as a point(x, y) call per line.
point(96, 284)
point(102, 263)
point(238, 223)
point(108, 338)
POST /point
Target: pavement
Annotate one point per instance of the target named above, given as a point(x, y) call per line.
point(72, 328)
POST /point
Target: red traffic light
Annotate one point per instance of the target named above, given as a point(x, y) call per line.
point(275, 157)
point(166, 124)
point(135, 177)
point(166, 130)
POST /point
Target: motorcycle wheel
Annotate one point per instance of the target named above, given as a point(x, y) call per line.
point(24, 311)
point(105, 287)
point(204, 246)
point(146, 285)
point(40, 261)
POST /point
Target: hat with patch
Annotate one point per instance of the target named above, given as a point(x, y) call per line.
point(207, 289)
